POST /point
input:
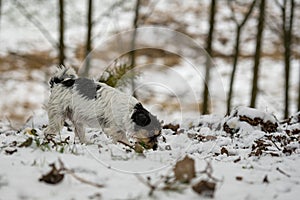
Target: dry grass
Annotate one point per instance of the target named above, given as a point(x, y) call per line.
point(29, 61)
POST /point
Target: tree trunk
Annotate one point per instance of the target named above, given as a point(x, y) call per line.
point(206, 104)
point(299, 89)
point(61, 33)
point(0, 13)
point(287, 40)
point(88, 38)
point(235, 60)
point(239, 27)
point(260, 29)
point(133, 41)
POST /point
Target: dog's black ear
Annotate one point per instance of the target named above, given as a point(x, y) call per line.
point(68, 82)
point(140, 115)
point(141, 118)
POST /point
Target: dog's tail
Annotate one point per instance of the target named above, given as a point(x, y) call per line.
point(64, 75)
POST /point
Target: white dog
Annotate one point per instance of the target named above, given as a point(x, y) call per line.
point(87, 103)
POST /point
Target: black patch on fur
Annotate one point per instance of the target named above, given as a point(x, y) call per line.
point(53, 81)
point(140, 115)
point(68, 82)
point(86, 87)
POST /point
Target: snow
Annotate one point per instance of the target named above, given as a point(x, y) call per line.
point(101, 161)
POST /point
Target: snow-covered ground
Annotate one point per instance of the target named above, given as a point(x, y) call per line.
point(241, 158)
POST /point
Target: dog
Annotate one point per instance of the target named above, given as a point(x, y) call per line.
point(88, 103)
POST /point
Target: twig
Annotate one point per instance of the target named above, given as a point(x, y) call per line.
point(275, 145)
point(163, 179)
point(148, 184)
point(82, 180)
point(151, 9)
point(126, 144)
point(208, 171)
point(282, 172)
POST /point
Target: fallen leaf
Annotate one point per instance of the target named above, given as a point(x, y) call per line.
point(10, 152)
point(210, 137)
point(266, 180)
point(274, 154)
point(172, 127)
point(224, 151)
point(52, 177)
point(13, 144)
point(184, 170)
point(27, 143)
point(205, 188)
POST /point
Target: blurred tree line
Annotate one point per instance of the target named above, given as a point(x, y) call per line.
point(285, 31)
point(283, 27)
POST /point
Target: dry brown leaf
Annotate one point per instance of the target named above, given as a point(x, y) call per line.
point(52, 177)
point(224, 151)
point(205, 188)
point(210, 137)
point(172, 127)
point(10, 151)
point(27, 143)
point(184, 170)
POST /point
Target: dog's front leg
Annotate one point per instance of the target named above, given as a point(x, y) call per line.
point(80, 131)
point(56, 122)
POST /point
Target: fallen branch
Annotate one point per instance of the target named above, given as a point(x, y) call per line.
point(71, 172)
point(282, 172)
point(147, 183)
point(82, 180)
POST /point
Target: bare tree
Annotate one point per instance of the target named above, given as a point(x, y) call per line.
point(0, 12)
point(61, 33)
point(88, 38)
point(239, 27)
point(133, 41)
point(206, 104)
point(287, 27)
point(260, 29)
point(299, 90)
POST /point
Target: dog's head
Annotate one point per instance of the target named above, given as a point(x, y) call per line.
point(64, 75)
point(146, 127)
